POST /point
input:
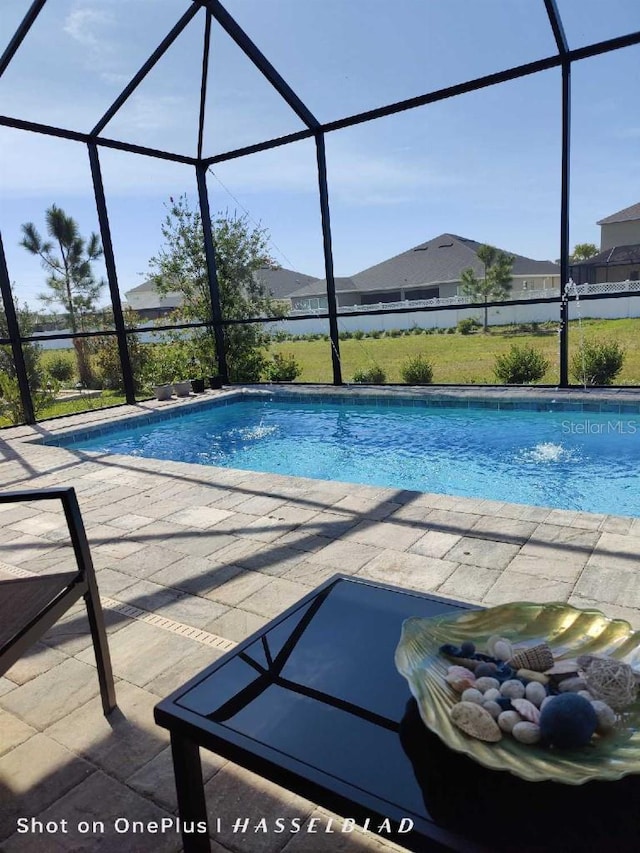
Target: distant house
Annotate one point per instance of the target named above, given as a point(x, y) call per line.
point(619, 256)
point(147, 302)
point(430, 270)
point(621, 228)
point(281, 282)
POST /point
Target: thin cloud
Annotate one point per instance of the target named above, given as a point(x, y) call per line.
point(87, 25)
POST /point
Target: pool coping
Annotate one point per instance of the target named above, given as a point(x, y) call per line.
point(505, 398)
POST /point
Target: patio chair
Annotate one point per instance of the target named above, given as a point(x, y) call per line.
point(30, 606)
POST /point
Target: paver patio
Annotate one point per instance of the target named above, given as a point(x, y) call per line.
point(190, 560)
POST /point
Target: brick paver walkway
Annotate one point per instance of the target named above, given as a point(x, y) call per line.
point(192, 559)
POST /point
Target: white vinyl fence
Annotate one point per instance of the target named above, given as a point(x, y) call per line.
point(453, 309)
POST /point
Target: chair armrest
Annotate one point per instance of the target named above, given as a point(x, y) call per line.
point(75, 524)
point(35, 494)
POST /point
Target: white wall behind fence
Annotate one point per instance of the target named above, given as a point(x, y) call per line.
point(612, 308)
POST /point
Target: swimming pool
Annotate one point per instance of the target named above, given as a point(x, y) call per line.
point(578, 460)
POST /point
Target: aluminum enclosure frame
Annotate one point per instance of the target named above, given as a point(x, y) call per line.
point(214, 10)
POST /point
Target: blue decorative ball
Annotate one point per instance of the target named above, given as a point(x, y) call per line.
point(468, 649)
point(568, 721)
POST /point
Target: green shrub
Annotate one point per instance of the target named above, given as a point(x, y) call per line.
point(416, 330)
point(167, 363)
point(467, 326)
point(107, 360)
point(345, 336)
point(417, 371)
point(375, 333)
point(61, 366)
point(283, 368)
point(372, 376)
point(358, 334)
point(393, 333)
point(602, 362)
point(520, 366)
point(451, 331)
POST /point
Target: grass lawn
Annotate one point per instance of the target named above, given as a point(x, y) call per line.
point(72, 407)
point(456, 358)
point(464, 359)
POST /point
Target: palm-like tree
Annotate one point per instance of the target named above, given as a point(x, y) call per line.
point(67, 258)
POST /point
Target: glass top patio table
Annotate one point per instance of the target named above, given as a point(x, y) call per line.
point(314, 702)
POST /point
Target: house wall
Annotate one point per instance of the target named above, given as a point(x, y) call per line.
point(151, 299)
point(619, 234)
point(534, 282)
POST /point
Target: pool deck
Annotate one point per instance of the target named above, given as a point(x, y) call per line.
point(190, 560)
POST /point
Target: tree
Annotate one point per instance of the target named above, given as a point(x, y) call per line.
point(11, 401)
point(180, 267)
point(496, 283)
point(70, 279)
point(582, 252)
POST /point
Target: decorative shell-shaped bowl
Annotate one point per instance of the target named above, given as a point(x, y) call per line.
point(569, 632)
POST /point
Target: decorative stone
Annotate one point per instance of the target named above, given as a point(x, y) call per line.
point(530, 675)
point(485, 683)
point(472, 695)
point(493, 708)
point(459, 683)
point(491, 695)
point(563, 669)
point(485, 668)
point(462, 671)
point(499, 648)
point(508, 719)
point(527, 710)
point(568, 721)
point(535, 692)
point(504, 672)
point(512, 689)
point(476, 722)
point(526, 732)
point(572, 685)
point(606, 716)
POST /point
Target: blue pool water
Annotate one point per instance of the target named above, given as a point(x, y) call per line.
point(572, 460)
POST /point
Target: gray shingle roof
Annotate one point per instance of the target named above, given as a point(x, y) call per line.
point(619, 255)
point(626, 215)
point(439, 260)
point(279, 282)
point(145, 287)
point(344, 284)
point(282, 282)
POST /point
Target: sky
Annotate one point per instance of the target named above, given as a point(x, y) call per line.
point(485, 165)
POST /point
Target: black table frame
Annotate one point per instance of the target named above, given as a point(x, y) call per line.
point(189, 732)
